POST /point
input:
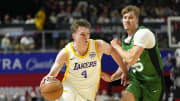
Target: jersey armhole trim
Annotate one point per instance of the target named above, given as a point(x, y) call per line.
point(67, 65)
point(97, 51)
point(98, 56)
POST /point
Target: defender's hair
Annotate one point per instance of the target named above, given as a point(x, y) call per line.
point(131, 8)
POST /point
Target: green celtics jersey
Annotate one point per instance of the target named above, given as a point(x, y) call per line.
point(149, 66)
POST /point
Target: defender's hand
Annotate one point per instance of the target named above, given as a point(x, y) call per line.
point(115, 42)
point(122, 76)
point(124, 79)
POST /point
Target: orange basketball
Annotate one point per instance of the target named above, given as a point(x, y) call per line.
point(51, 89)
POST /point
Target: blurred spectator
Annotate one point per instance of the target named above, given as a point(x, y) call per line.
point(104, 96)
point(40, 18)
point(106, 10)
point(16, 97)
point(29, 20)
point(83, 3)
point(53, 18)
point(84, 11)
point(174, 40)
point(93, 14)
point(69, 2)
point(6, 43)
point(98, 96)
point(168, 11)
point(103, 19)
point(143, 11)
point(61, 16)
point(77, 13)
point(22, 98)
point(16, 44)
point(61, 4)
point(115, 97)
point(3, 97)
point(27, 43)
point(177, 56)
point(69, 18)
point(33, 96)
point(115, 17)
point(17, 20)
point(159, 11)
point(7, 19)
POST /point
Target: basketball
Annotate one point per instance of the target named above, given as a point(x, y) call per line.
point(51, 89)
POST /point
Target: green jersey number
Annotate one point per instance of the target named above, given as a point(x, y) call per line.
point(138, 66)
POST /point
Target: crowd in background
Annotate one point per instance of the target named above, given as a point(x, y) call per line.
point(52, 12)
point(101, 11)
point(21, 43)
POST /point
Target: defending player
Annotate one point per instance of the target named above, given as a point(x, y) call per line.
point(140, 50)
point(83, 60)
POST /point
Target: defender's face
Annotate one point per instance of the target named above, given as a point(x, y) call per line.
point(129, 20)
point(82, 35)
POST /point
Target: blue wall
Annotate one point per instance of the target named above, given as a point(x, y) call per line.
point(21, 63)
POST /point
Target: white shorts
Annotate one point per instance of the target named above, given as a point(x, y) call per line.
point(70, 94)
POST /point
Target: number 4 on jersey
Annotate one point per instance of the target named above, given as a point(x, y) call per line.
point(84, 73)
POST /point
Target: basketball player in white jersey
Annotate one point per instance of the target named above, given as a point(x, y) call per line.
point(83, 61)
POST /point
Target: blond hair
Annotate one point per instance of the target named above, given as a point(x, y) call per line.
point(131, 8)
point(80, 22)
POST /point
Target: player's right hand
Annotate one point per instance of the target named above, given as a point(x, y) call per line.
point(115, 42)
point(45, 78)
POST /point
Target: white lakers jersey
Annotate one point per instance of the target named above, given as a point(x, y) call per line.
point(83, 72)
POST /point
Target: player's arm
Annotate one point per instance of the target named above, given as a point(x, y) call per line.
point(58, 64)
point(106, 48)
point(131, 56)
point(143, 39)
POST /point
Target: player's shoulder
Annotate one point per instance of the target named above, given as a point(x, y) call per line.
point(144, 32)
point(61, 56)
point(62, 52)
point(99, 41)
point(102, 45)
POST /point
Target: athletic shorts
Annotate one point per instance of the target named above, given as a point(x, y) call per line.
point(70, 94)
point(145, 92)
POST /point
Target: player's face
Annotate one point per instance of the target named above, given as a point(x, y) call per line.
point(82, 35)
point(130, 21)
